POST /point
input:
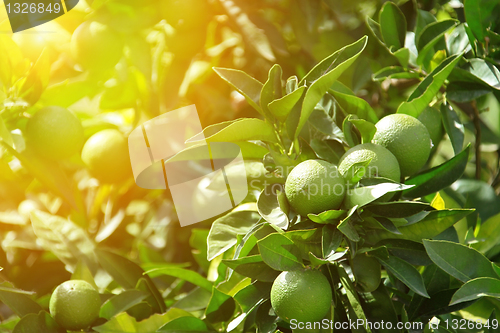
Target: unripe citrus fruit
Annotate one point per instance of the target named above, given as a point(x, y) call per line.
point(106, 155)
point(314, 186)
point(367, 272)
point(186, 14)
point(407, 138)
point(304, 295)
point(75, 304)
point(54, 132)
point(95, 46)
point(383, 163)
point(431, 118)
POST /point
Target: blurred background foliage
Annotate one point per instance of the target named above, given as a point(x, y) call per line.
point(157, 55)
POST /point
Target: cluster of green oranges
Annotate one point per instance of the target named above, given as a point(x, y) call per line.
point(56, 133)
point(400, 147)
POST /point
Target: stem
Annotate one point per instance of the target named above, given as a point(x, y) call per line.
point(477, 145)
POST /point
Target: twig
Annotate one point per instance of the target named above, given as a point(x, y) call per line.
point(477, 126)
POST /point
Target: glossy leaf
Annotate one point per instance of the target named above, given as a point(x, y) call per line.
point(125, 323)
point(121, 302)
point(406, 273)
point(238, 130)
point(453, 126)
point(184, 274)
point(18, 300)
point(244, 84)
point(363, 195)
point(366, 128)
point(479, 15)
point(272, 88)
point(392, 26)
point(459, 261)
point(397, 208)
point(65, 239)
point(410, 251)
point(40, 322)
point(322, 76)
point(328, 216)
point(430, 36)
point(355, 105)
point(330, 240)
point(224, 230)
point(394, 72)
point(269, 206)
point(280, 253)
point(430, 226)
point(282, 107)
point(346, 226)
point(253, 267)
point(428, 88)
point(477, 288)
point(437, 178)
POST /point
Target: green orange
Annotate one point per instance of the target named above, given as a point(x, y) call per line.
point(382, 162)
point(107, 157)
point(54, 132)
point(314, 186)
point(95, 46)
point(431, 118)
point(303, 295)
point(75, 304)
point(406, 138)
point(366, 271)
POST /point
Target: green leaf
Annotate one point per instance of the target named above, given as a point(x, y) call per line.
point(244, 84)
point(437, 178)
point(308, 241)
point(272, 88)
point(477, 288)
point(330, 240)
point(488, 235)
point(430, 226)
point(463, 92)
point(282, 107)
point(459, 261)
point(65, 239)
point(354, 105)
point(185, 324)
point(453, 126)
point(485, 72)
point(379, 307)
point(322, 76)
point(242, 129)
point(220, 307)
point(374, 189)
point(397, 208)
point(121, 302)
point(375, 29)
point(352, 296)
point(430, 36)
point(224, 230)
point(394, 72)
point(346, 226)
point(124, 323)
point(406, 273)
point(183, 274)
point(328, 216)
point(128, 274)
point(50, 174)
point(253, 267)
point(269, 206)
point(424, 18)
point(280, 253)
point(367, 129)
point(350, 135)
point(40, 322)
point(428, 88)
point(321, 121)
point(249, 298)
point(480, 14)
point(18, 300)
point(410, 251)
point(392, 26)
point(5, 134)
